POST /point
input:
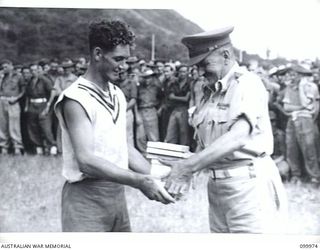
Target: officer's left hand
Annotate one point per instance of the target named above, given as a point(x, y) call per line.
point(179, 180)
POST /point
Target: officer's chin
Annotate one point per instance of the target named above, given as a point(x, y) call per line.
point(210, 76)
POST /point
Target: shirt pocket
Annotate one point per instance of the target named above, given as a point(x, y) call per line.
point(204, 129)
point(222, 120)
point(222, 116)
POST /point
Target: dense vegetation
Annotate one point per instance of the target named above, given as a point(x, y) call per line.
point(34, 33)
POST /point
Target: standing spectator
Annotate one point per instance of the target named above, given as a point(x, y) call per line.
point(272, 87)
point(12, 89)
point(134, 71)
point(81, 66)
point(133, 62)
point(196, 96)
point(45, 67)
point(279, 147)
point(62, 81)
point(39, 123)
point(60, 70)
point(178, 127)
point(196, 89)
point(167, 105)
point(159, 71)
point(26, 74)
point(60, 84)
point(53, 75)
point(53, 71)
point(148, 101)
point(128, 85)
point(283, 77)
point(18, 68)
point(301, 101)
point(142, 66)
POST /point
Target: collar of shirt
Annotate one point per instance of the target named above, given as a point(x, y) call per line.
point(106, 93)
point(225, 81)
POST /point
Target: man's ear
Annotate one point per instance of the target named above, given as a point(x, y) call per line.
point(97, 54)
point(226, 56)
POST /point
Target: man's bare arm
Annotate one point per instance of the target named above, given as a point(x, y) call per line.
point(288, 107)
point(137, 162)
point(131, 103)
point(180, 98)
point(81, 135)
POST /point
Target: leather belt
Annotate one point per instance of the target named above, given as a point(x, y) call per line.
point(38, 100)
point(244, 171)
point(148, 107)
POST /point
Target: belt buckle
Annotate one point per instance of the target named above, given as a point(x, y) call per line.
point(252, 172)
point(213, 174)
point(226, 173)
point(248, 171)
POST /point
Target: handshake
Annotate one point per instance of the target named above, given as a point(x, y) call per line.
point(168, 187)
point(171, 176)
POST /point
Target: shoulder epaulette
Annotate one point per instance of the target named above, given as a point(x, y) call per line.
point(237, 75)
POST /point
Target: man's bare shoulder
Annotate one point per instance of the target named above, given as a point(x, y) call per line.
point(73, 111)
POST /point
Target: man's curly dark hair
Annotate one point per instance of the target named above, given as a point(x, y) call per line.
point(108, 34)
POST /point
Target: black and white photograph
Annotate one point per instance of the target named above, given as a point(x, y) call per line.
point(187, 117)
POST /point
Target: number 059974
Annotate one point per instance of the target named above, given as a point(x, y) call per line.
point(309, 245)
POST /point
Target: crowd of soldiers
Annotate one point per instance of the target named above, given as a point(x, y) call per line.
point(27, 96)
point(161, 97)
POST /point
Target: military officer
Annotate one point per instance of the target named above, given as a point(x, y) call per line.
point(232, 125)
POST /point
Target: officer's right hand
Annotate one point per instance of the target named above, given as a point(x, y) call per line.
point(154, 191)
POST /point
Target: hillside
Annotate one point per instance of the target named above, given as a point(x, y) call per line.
point(32, 33)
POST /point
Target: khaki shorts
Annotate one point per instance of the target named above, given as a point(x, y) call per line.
point(94, 206)
point(255, 203)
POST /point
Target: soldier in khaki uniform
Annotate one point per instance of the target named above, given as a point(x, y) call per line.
point(233, 128)
point(12, 89)
point(301, 102)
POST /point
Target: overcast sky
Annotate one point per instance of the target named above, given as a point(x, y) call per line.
point(289, 28)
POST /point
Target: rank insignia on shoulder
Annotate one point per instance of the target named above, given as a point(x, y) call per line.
point(223, 106)
point(237, 74)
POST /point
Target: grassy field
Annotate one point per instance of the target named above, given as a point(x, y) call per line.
point(30, 202)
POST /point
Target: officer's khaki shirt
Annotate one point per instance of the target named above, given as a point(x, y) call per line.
point(242, 94)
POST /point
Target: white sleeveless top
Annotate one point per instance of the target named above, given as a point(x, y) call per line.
point(107, 114)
